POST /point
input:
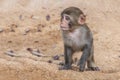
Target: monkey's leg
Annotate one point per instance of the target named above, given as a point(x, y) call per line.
point(68, 57)
point(91, 62)
point(84, 57)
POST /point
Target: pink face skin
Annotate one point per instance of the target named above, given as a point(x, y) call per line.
point(64, 23)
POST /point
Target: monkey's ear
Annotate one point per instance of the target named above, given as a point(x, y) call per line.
point(82, 19)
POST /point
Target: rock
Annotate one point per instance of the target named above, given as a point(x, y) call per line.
point(36, 41)
point(29, 49)
point(56, 57)
point(21, 17)
point(35, 17)
point(11, 29)
point(61, 63)
point(38, 29)
point(9, 41)
point(48, 17)
point(35, 52)
point(62, 55)
point(10, 53)
point(49, 61)
point(27, 30)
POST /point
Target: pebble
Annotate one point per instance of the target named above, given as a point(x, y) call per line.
point(38, 29)
point(35, 52)
point(35, 17)
point(27, 30)
point(48, 17)
point(49, 61)
point(10, 53)
point(61, 63)
point(12, 30)
point(56, 57)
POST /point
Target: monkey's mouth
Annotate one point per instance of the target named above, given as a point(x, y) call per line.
point(64, 28)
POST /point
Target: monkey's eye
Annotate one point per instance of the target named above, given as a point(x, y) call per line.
point(67, 18)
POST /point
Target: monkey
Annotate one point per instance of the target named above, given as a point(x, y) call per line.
point(77, 36)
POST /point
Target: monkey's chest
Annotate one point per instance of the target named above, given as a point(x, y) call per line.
point(74, 41)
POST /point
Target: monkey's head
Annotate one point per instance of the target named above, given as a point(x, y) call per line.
point(71, 18)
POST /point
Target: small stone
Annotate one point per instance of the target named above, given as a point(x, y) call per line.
point(29, 49)
point(62, 55)
point(43, 26)
point(9, 41)
point(36, 50)
point(38, 29)
point(49, 61)
point(48, 17)
point(36, 53)
point(12, 30)
point(10, 53)
point(61, 63)
point(27, 30)
point(34, 17)
point(36, 41)
point(14, 25)
point(21, 17)
point(56, 57)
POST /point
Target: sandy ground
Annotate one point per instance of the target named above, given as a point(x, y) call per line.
point(103, 18)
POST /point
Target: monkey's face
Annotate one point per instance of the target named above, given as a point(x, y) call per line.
point(71, 22)
point(65, 22)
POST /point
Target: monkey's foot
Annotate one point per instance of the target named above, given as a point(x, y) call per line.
point(94, 68)
point(81, 69)
point(65, 67)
